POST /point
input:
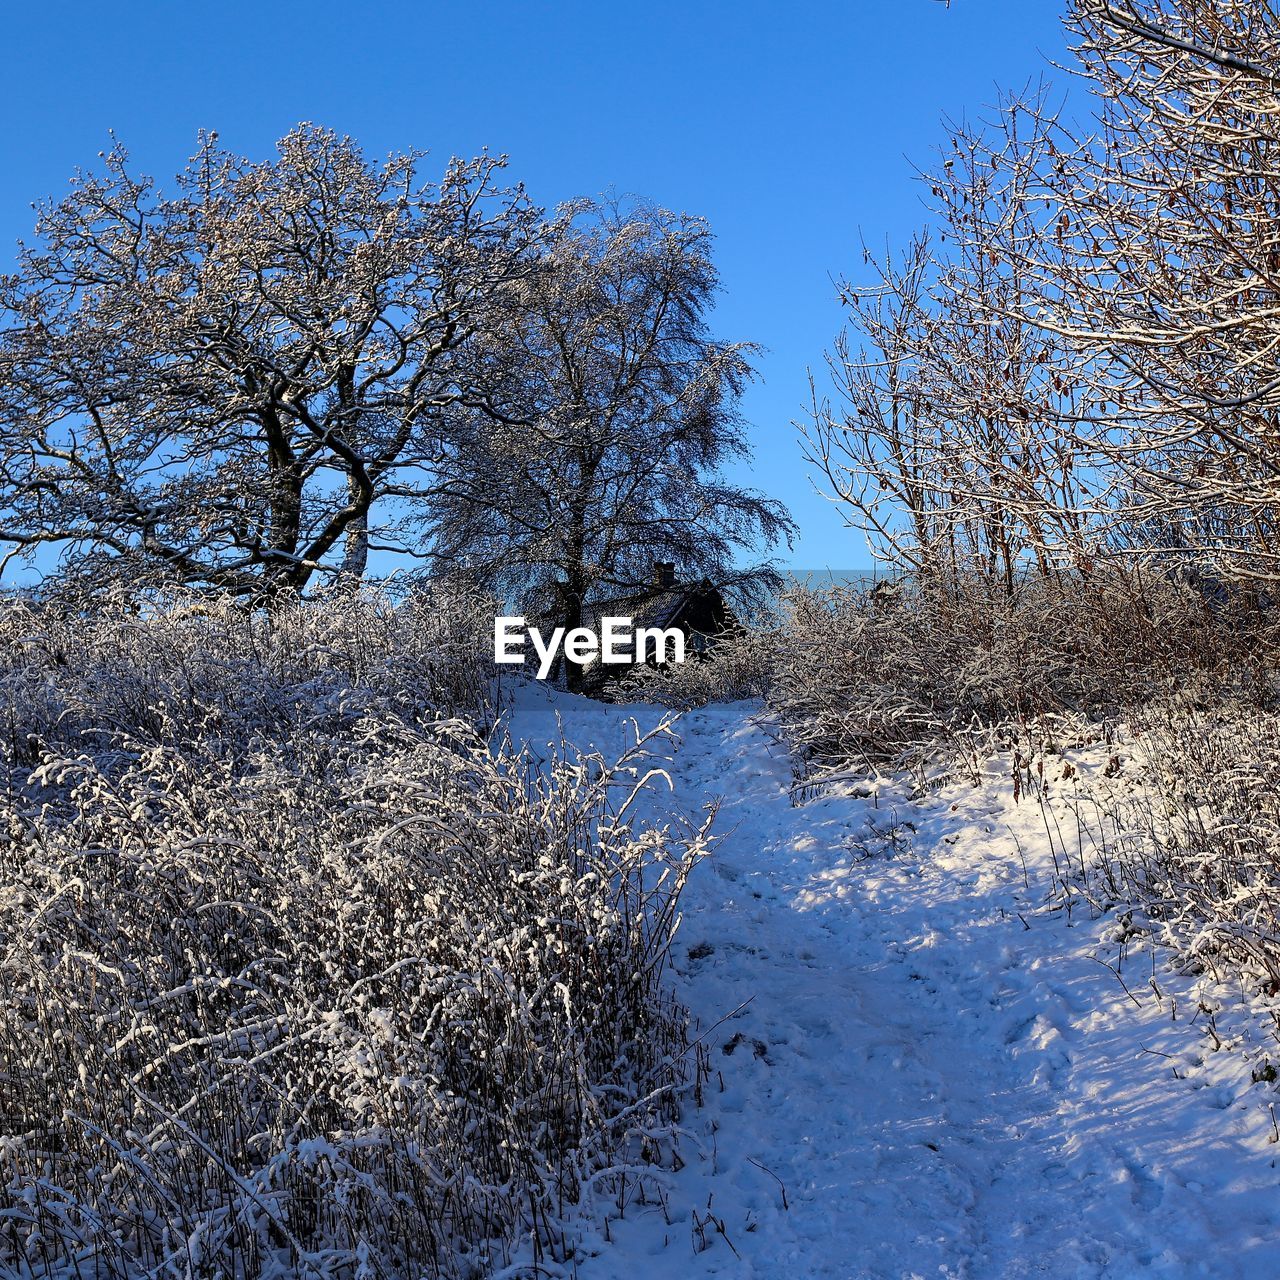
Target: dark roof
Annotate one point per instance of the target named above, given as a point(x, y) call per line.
point(657, 607)
point(654, 607)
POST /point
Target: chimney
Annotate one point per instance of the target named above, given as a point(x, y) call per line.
point(664, 574)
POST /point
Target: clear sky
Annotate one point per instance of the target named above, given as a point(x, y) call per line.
point(791, 126)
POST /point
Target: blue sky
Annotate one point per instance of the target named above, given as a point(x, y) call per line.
point(791, 127)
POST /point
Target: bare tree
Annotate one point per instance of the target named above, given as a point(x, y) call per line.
point(618, 411)
point(246, 384)
point(1160, 255)
point(1086, 355)
point(945, 445)
point(876, 450)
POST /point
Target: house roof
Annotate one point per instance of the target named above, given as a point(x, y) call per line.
point(655, 607)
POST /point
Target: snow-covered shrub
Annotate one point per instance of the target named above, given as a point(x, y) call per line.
point(737, 666)
point(866, 679)
point(179, 667)
point(298, 977)
point(1184, 824)
point(901, 675)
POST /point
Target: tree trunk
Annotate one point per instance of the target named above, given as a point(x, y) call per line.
point(355, 558)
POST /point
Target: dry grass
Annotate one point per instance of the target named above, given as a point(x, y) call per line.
point(300, 975)
point(940, 678)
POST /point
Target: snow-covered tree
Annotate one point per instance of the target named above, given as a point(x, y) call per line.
point(1160, 257)
point(1085, 355)
point(944, 442)
point(618, 412)
point(244, 384)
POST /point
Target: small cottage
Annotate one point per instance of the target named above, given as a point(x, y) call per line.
point(697, 609)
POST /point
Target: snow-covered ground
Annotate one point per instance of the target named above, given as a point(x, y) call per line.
point(920, 1067)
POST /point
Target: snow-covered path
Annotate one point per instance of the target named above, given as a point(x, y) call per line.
point(927, 1074)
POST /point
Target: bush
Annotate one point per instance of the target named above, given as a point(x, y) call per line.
point(884, 678)
point(1186, 826)
point(299, 976)
point(738, 666)
point(182, 668)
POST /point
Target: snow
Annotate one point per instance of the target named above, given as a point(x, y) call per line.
point(920, 1067)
